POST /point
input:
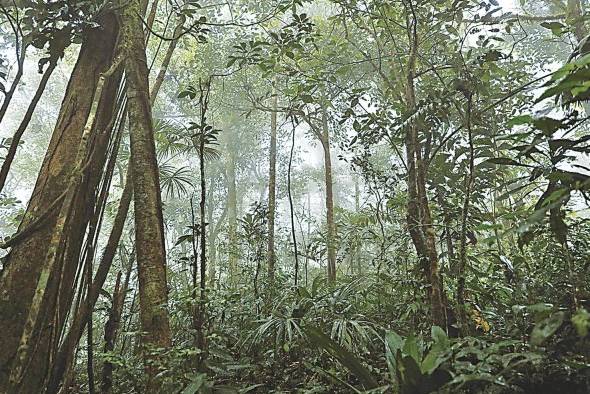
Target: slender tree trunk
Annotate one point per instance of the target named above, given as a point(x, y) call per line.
point(152, 14)
point(212, 246)
point(149, 224)
point(419, 219)
point(24, 124)
point(469, 179)
point(203, 252)
point(329, 197)
point(89, 322)
point(111, 329)
point(166, 62)
point(574, 12)
point(19, 278)
point(292, 209)
point(272, 188)
point(308, 237)
point(19, 73)
point(232, 208)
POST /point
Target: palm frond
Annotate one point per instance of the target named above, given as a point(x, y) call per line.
point(175, 181)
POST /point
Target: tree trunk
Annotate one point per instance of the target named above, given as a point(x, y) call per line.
point(24, 123)
point(214, 232)
point(329, 197)
point(272, 188)
point(574, 12)
point(291, 207)
point(19, 73)
point(111, 329)
point(65, 354)
point(469, 180)
point(166, 62)
point(22, 268)
point(149, 224)
point(419, 219)
point(202, 344)
point(232, 208)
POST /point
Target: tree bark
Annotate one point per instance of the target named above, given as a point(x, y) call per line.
point(111, 329)
point(419, 219)
point(64, 357)
point(232, 208)
point(292, 209)
point(329, 197)
point(202, 343)
point(149, 224)
point(19, 279)
point(272, 188)
point(469, 180)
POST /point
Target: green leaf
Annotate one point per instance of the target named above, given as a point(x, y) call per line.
point(548, 125)
point(393, 344)
point(306, 98)
point(346, 358)
point(411, 348)
point(581, 322)
point(520, 120)
point(439, 336)
point(556, 28)
point(504, 161)
point(546, 328)
point(194, 386)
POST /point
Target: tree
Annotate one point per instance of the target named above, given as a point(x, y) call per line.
point(31, 244)
point(149, 227)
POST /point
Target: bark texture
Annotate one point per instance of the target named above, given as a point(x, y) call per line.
point(272, 189)
point(149, 227)
point(23, 267)
point(232, 210)
point(419, 218)
point(329, 197)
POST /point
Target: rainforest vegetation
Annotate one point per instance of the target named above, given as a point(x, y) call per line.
point(295, 196)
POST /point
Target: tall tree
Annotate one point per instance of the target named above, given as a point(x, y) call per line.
point(31, 244)
point(272, 187)
point(330, 224)
point(232, 216)
point(149, 224)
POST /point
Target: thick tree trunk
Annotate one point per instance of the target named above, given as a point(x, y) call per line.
point(19, 279)
point(329, 197)
point(272, 189)
point(149, 224)
point(65, 354)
